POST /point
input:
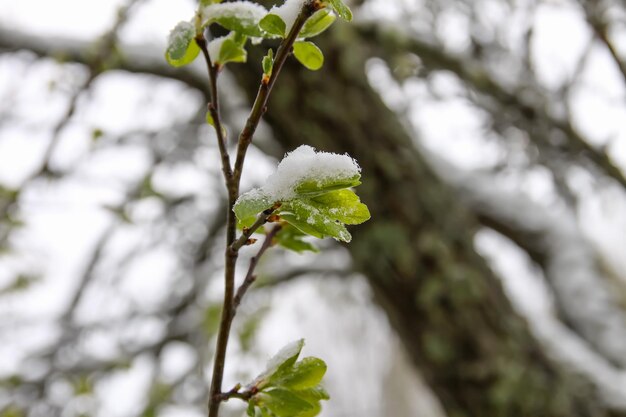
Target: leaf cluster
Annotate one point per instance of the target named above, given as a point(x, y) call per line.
point(244, 20)
point(288, 387)
point(319, 208)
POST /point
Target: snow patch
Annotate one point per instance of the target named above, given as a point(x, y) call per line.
point(214, 47)
point(288, 12)
point(180, 35)
point(243, 10)
point(302, 165)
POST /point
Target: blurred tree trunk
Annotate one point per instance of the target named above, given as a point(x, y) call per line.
point(417, 252)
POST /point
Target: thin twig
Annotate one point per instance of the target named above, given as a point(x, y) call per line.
point(250, 277)
point(245, 138)
point(214, 110)
point(260, 103)
point(260, 221)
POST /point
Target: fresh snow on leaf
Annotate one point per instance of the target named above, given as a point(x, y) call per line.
point(226, 49)
point(306, 166)
point(241, 16)
point(312, 188)
point(249, 205)
point(288, 12)
point(214, 48)
point(179, 39)
point(181, 46)
point(287, 356)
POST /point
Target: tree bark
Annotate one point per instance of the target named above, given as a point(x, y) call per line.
point(417, 252)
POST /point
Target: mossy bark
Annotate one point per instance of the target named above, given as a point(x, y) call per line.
point(417, 251)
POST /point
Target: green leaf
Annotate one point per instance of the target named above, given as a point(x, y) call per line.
point(209, 118)
point(242, 17)
point(304, 215)
point(274, 25)
point(341, 9)
point(249, 205)
point(284, 359)
point(324, 215)
point(304, 374)
point(268, 62)
point(318, 187)
point(283, 402)
point(317, 393)
point(209, 2)
point(232, 51)
point(344, 206)
point(309, 55)
point(318, 23)
point(182, 48)
point(292, 238)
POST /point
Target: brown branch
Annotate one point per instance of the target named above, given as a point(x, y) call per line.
point(250, 277)
point(214, 110)
point(245, 138)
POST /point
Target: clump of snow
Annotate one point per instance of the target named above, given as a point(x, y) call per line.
point(288, 12)
point(214, 47)
point(242, 10)
point(180, 35)
point(302, 165)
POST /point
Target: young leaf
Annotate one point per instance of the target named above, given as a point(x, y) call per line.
point(307, 373)
point(317, 393)
point(310, 220)
point(249, 205)
point(324, 215)
point(241, 16)
point(181, 45)
point(318, 23)
point(284, 359)
point(232, 51)
point(311, 188)
point(341, 9)
point(343, 205)
point(309, 55)
point(284, 403)
point(268, 62)
point(209, 119)
point(273, 25)
point(292, 238)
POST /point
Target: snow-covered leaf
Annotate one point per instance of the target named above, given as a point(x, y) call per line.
point(181, 45)
point(249, 205)
point(288, 12)
point(285, 358)
point(312, 188)
point(238, 16)
point(343, 205)
point(310, 219)
point(304, 374)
